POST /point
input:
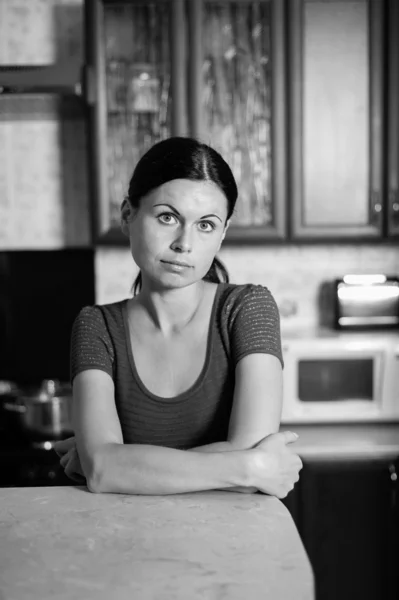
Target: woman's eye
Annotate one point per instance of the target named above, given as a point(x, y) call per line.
point(209, 226)
point(165, 218)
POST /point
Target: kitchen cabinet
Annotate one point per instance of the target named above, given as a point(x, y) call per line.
point(300, 97)
point(393, 120)
point(237, 103)
point(346, 512)
point(336, 104)
point(213, 70)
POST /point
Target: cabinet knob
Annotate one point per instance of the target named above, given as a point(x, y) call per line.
point(394, 486)
point(375, 208)
point(393, 200)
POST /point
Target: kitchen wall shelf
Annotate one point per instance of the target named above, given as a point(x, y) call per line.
point(59, 78)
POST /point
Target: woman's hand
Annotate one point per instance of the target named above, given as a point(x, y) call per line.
point(274, 467)
point(66, 449)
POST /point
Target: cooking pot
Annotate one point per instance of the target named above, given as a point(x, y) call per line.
point(44, 413)
point(8, 420)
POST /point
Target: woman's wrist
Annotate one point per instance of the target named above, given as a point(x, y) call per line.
point(252, 468)
point(241, 462)
point(214, 447)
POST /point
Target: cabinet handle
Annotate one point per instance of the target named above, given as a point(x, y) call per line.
point(394, 201)
point(376, 207)
point(88, 85)
point(394, 486)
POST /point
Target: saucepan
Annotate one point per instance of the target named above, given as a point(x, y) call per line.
point(43, 413)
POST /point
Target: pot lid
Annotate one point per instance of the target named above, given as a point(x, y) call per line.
point(49, 388)
point(8, 388)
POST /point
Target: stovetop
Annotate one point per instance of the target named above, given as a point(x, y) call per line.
point(24, 462)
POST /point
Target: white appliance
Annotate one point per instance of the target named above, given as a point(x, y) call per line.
point(341, 377)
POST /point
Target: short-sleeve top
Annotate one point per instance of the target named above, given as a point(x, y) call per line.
point(244, 320)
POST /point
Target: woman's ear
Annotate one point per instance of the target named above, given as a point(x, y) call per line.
point(126, 215)
point(224, 233)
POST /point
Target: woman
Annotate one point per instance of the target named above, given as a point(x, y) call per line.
point(179, 388)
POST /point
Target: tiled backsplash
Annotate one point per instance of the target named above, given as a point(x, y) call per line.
point(298, 276)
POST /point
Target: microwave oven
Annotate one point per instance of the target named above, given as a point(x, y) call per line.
point(341, 377)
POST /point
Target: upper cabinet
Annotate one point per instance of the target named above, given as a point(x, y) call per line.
point(336, 78)
point(236, 104)
point(210, 69)
point(392, 205)
point(135, 61)
point(301, 97)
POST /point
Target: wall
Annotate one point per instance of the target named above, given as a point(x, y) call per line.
point(44, 193)
point(298, 276)
point(43, 174)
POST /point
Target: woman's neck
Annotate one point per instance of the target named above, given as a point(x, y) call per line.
point(170, 312)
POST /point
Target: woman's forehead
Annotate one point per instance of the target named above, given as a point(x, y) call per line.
point(188, 193)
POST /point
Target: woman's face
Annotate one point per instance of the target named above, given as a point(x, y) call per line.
point(180, 221)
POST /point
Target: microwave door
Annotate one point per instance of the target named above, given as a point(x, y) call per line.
point(330, 380)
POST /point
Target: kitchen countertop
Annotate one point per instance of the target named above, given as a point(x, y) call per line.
point(67, 543)
point(371, 441)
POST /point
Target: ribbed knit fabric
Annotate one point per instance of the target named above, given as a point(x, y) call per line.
point(244, 320)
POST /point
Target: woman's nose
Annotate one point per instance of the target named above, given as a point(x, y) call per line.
point(183, 241)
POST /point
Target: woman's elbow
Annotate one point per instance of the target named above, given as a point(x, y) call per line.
point(94, 474)
point(93, 486)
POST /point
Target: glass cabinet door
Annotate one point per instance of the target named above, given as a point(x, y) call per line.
point(336, 114)
point(136, 93)
point(212, 69)
point(236, 103)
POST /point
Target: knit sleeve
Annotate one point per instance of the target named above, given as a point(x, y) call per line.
point(91, 345)
point(255, 324)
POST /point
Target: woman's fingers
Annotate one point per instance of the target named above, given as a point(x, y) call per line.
point(65, 459)
point(72, 467)
point(63, 446)
point(69, 472)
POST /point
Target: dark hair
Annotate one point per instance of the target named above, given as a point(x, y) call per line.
point(183, 158)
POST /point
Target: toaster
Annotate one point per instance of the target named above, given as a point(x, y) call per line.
point(366, 302)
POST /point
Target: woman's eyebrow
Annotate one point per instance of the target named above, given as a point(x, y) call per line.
point(177, 212)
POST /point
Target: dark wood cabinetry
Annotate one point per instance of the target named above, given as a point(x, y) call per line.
point(346, 512)
point(212, 70)
point(337, 92)
point(300, 96)
point(392, 206)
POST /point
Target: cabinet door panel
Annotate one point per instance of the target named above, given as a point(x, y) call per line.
point(347, 527)
point(236, 103)
point(335, 114)
point(393, 120)
point(138, 90)
point(136, 62)
point(336, 118)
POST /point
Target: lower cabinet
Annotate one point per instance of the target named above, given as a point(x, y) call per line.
point(346, 512)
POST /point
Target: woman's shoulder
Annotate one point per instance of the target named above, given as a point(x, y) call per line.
point(248, 295)
point(100, 315)
point(250, 321)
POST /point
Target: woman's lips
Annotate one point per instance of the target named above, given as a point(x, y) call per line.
point(174, 266)
point(176, 262)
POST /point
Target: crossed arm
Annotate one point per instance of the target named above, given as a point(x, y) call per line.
point(109, 465)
